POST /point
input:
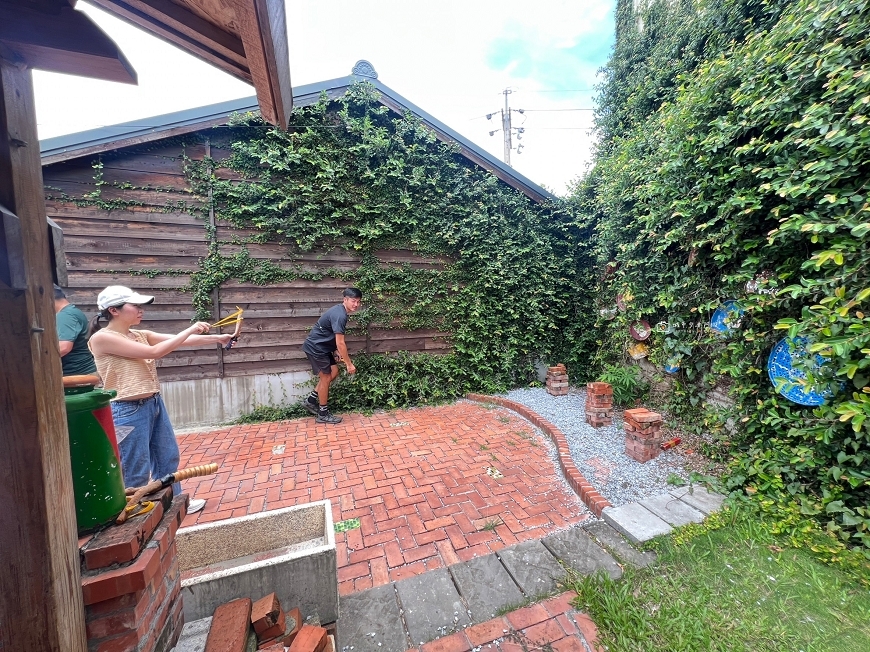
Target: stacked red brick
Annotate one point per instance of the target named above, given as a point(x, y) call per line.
point(131, 581)
point(643, 437)
point(242, 625)
point(557, 380)
point(599, 404)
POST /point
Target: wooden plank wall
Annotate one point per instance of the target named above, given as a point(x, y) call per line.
point(103, 247)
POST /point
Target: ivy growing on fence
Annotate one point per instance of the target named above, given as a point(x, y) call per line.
point(350, 174)
point(750, 180)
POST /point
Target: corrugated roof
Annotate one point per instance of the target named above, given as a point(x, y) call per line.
point(94, 141)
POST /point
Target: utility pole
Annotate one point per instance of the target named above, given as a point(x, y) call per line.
point(506, 127)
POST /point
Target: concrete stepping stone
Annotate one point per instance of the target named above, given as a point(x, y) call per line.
point(432, 606)
point(193, 636)
point(700, 498)
point(370, 621)
point(635, 522)
point(616, 544)
point(577, 550)
point(533, 567)
point(486, 586)
point(672, 510)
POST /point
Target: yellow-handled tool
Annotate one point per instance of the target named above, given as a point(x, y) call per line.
point(135, 505)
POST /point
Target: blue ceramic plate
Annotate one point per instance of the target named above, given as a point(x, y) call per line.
point(725, 317)
point(783, 374)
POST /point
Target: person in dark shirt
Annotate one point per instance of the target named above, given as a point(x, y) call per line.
point(72, 334)
point(320, 346)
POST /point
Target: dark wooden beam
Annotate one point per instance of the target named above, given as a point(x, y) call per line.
point(183, 28)
point(263, 29)
point(66, 42)
point(40, 594)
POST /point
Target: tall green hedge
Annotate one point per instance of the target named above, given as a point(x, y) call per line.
point(751, 182)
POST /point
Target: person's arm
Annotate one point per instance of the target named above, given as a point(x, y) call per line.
point(193, 340)
point(65, 347)
point(341, 346)
point(107, 344)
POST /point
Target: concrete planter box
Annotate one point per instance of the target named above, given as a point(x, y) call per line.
point(289, 551)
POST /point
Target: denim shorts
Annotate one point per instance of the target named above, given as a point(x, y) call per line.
point(147, 441)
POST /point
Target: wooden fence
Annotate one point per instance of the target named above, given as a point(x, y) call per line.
point(126, 246)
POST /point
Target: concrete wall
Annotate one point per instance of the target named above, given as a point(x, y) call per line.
point(214, 401)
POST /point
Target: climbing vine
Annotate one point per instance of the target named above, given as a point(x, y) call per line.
point(350, 174)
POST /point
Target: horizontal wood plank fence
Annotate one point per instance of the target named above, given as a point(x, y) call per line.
point(153, 241)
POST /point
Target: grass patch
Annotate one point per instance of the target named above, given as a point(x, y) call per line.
point(729, 585)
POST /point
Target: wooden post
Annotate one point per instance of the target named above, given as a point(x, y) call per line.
point(40, 594)
point(216, 293)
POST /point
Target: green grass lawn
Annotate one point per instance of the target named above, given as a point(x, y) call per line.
point(731, 589)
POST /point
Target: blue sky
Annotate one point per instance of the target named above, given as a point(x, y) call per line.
point(453, 63)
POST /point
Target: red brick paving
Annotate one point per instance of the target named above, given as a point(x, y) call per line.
point(416, 479)
point(552, 624)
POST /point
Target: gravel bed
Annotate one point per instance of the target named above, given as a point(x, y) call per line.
point(599, 453)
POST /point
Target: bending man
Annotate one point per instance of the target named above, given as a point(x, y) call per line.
point(320, 346)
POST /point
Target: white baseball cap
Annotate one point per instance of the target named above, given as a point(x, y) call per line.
point(117, 295)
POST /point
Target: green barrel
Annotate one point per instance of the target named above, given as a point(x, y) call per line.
point(98, 483)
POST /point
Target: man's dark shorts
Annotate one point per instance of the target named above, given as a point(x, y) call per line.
point(321, 363)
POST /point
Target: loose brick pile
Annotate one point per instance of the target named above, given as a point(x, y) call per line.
point(557, 380)
point(643, 437)
point(242, 625)
point(599, 404)
point(131, 581)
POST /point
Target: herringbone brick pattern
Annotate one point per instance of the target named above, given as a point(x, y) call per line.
point(416, 479)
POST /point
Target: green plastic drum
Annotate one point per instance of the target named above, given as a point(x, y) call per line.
point(98, 484)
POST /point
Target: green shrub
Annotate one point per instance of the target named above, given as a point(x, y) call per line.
point(628, 386)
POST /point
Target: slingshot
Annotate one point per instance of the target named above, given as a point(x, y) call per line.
point(233, 318)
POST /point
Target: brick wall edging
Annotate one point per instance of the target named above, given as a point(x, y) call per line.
point(581, 486)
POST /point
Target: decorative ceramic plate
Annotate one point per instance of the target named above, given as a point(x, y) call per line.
point(790, 381)
point(640, 330)
point(672, 367)
point(638, 350)
point(726, 318)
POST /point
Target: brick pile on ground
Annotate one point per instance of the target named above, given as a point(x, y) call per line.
point(131, 582)
point(599, 404)
point(243, 625)
point(643, 438)
point(557, 380)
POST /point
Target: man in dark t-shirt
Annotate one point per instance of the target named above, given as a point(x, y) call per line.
point(72, 333)
point(325, 338)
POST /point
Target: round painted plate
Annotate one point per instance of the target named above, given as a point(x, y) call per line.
point(640, 330)
point(781, 370)
point(726, 316)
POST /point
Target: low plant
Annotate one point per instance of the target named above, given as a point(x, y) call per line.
point(628, 386)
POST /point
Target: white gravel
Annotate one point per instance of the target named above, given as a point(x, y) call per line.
point(599, 453)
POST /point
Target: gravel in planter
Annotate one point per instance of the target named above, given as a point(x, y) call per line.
point(599, 453)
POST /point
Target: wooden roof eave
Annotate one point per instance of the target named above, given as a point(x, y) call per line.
point(251, 44)
point(62, 40)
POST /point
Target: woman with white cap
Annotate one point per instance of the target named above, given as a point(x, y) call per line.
point(127, 362)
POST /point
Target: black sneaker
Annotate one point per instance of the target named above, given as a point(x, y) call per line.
point(310, 406)
point(327, 417)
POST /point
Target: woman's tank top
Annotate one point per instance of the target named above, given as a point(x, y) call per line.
point(128, 376)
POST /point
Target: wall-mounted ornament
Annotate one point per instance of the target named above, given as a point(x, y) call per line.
point(638, 350)
point(640, 330)
point(727, 317)
point(790, 381)
point(760, 284)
